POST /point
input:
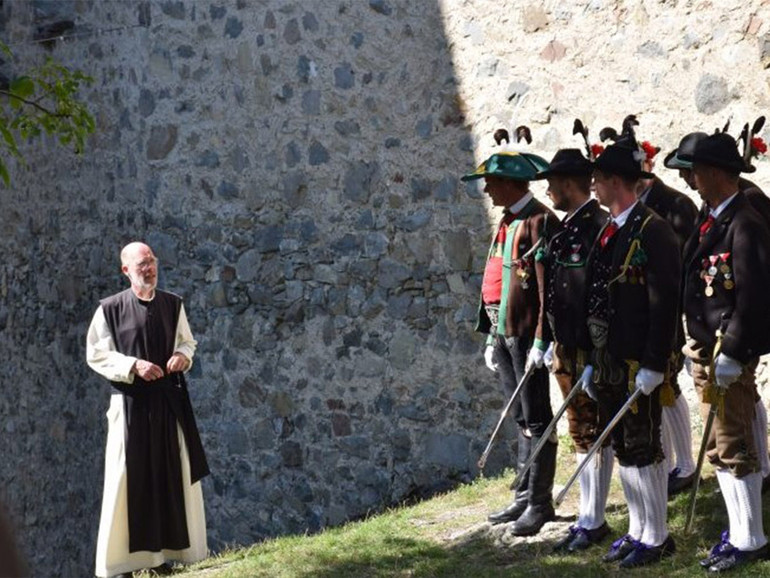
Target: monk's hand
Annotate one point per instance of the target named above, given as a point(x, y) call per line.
point(177, 363)
point(147, 370)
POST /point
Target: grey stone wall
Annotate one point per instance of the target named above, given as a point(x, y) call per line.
point(294, 165)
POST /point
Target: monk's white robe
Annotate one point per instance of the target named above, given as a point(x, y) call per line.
point(112, 555)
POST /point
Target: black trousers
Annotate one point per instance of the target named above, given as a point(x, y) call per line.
point(532, 408)
point(636, 439)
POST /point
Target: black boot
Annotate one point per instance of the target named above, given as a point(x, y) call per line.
point(519, 504)
point(540, 507)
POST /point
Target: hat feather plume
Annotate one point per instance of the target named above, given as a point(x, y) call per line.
point(579, 128)
point(522, 133)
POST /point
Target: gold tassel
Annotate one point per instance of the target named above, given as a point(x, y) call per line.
point(667, 394)
point(633, 369)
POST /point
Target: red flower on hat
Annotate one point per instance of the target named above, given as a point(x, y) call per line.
point(758, 146)
point(596, 149)
point(649, 150)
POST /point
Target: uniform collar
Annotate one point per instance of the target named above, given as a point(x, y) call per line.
point(722, 206)
point(521, 203)
point(621, 219)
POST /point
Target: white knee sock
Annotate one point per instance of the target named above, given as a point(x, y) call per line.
point(748, 493)
point(653, 482)
point(759, 429)
point(681, 436)
point(724, 477)
point(594, 488)
point(629, 477)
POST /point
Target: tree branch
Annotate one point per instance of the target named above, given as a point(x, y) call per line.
point(33, 104)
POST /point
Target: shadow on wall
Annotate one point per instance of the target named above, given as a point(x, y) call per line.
point(296, 169)
point(11, 563)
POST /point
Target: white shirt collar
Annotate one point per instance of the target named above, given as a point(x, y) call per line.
point(521, 203)
point(722, 206)
point(621, 219)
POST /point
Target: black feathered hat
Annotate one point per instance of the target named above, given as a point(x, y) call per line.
point(719, 150)
point(619, 159)
point(686, 147)
point(567, 162)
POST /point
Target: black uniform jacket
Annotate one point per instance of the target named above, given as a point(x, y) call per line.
point(565, 269)
point(642, 314)
point(734, 261)
point(674, 207)
point(678, 210)
point(759, 201)
point(525, 315)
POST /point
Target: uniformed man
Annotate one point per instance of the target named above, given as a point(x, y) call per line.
point(511, 313)
point(634, 271)
point(726, 277)
point(569, 187)
point(679, 212)
point(760, 202)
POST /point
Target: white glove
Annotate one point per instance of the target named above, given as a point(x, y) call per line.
point(535, 357)
point(647, 380)
point(688, 365)
point(586, 382)
point(489, 357)
point(726, 370)
point(548, 357)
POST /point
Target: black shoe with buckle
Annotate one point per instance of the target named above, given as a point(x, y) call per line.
point(562, 545)
point(643, 554)
point(620, 548)
point(720, 550)
point(677, 485)
point(586, 538)
point(735, 558)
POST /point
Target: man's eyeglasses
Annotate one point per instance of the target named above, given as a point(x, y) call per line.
point(146, 264)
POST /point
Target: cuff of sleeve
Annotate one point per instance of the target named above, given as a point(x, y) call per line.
point(189, 357)
point(540, 344)
point(126, 365)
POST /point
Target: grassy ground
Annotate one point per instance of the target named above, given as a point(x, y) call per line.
point(448, 536)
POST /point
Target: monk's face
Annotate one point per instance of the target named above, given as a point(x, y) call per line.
point(141, 267)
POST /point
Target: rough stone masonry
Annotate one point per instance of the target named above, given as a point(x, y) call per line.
point(295, 166)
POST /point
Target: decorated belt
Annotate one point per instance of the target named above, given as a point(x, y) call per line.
point(598, 329)
point(493, 312)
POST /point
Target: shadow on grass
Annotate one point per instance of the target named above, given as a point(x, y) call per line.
point(488, 552)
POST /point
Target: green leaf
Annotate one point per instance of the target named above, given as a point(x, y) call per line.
point(23, 86)
point(4, 173)
point(9, 140)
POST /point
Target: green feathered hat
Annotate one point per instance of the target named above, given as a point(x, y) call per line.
point(517, 166)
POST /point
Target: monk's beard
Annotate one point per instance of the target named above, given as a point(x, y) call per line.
point(146, 286)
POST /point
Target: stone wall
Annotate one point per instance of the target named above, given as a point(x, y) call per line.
point(294, 165)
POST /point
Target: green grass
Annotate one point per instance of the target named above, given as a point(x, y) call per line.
point(446, 537)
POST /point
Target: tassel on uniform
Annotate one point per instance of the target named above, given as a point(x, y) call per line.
point(667, 393)
point(633, 369)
